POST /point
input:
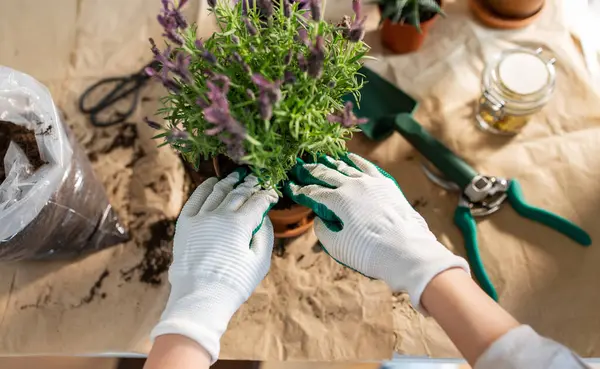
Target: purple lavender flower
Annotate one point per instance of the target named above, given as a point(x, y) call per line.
point(302, 62)
point(218, 96)
point(269, 94)
point(316, 59)
point(212, 3)
point(153, 47)
point(302, 4)
point(302, 36)
point(331, 84)
point(182, 64)
point(164, 58)
point(246, 4)
point(235, 147)
point(237, 57)
point(271, 88)
point(287, 8)
point(172, 86)
point(250, 27)
point(171, 19)
point(202, 103)
point(346, 117)
point(230, 131)
point(150, 72)
point(166, 67)
point(209, 57)
point(356, 30)
point(224, 80)
point(152, 124)
point(289, 77)
point(265, 107)
point(177, 135)
point(266, 7)
point(235, 39)
point(315, 9)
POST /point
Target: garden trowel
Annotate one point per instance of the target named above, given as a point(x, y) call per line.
point(389, 109)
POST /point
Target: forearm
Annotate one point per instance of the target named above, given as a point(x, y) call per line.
point(471, 319)
point(178, 352)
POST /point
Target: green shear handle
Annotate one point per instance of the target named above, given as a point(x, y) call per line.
point(465, 222)
point(560, 224)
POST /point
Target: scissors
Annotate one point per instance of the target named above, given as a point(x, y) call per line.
point(123, 87)
point(480, 195)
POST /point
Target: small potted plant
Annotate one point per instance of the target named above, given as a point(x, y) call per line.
point(507, 14)
point(261, 92)
point(405, 23)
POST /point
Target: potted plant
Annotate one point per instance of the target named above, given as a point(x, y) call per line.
point(507, 14)
point(261, 92)
point(405, 23)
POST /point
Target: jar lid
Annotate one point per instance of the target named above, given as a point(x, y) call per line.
point(523, 73)
point(521, 80)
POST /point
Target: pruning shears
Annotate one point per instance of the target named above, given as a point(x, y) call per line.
point(480, 195)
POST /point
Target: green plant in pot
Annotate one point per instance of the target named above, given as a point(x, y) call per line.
point(262, 91)
point(405, 23)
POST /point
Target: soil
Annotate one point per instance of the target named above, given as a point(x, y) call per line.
point(95, 289)
point(23, 137)
point(76, 220)
point(157, 254)
point(226, 166)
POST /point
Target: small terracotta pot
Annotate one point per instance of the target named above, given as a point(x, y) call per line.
point(515, 8)
point(506, 14)
point(404, 38)
point(287, 223)
point(293, 222)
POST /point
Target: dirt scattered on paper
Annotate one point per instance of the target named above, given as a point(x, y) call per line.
point(157, 254)
point(419, 203)
point(94, 290)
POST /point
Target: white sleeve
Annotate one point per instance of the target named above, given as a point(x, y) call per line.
point(522, 347)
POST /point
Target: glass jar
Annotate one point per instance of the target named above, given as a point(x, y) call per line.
point(514, 86)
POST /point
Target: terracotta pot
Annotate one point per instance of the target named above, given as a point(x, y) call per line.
point(515, 8)
point(291, 222)
point(404, 38)
point(506, 14)
point(287, 223)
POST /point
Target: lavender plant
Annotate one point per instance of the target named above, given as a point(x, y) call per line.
point(263, 90)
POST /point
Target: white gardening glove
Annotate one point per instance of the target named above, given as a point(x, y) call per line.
point(381, 235)
point(220, 255)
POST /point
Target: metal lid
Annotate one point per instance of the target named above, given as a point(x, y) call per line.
point(523, 73)
point(520, 80)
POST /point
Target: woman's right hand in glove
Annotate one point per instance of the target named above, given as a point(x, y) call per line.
point(377, 231)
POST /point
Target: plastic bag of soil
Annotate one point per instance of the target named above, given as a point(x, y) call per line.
point(51, 204)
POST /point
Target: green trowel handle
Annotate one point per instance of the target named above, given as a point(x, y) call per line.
point(465, 222)
point(560, 224)
point(453, 167)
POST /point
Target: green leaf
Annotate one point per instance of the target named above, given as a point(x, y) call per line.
point(400, 4)
point(161, 135)
point(413, 18)
point(431, 5)
point(388, 12)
